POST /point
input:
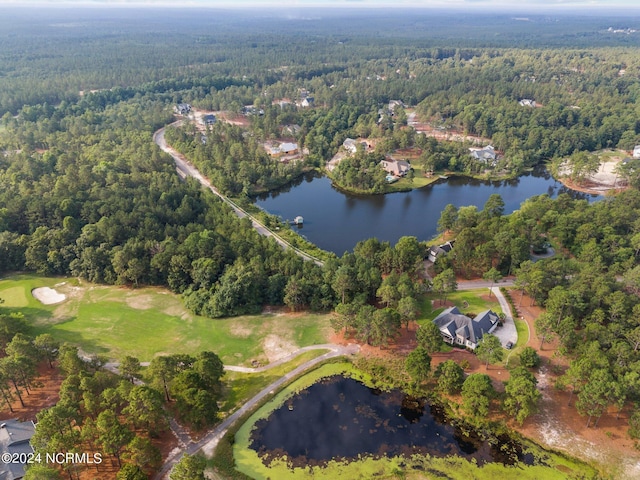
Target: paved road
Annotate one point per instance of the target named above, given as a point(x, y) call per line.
point(187, 169)
point(507, 332)
point(210, 441)
point(473, 284)
point(291, 356)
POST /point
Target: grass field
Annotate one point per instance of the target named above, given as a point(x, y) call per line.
point(239, 387)
point(145, 322)
point(418, 181)
point(476, 300)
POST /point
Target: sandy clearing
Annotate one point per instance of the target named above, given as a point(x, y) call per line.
point(604, 180)
point(48, 296)
point(140, 302)
point(276, 347)
point(239, 330)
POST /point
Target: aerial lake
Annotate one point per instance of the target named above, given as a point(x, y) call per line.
point(336, 221)
point(341, 418)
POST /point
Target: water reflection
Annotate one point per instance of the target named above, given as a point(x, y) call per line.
point(340, 418)
point(336, 221)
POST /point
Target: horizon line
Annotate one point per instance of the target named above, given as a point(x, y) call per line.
point(537, 8)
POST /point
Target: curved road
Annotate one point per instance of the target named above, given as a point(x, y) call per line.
point(210, 441)
point(187, 169)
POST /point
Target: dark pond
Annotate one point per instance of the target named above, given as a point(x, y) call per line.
point(336, 221)
point(340, 418)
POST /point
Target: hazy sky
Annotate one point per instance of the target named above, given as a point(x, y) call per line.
point(532, 5)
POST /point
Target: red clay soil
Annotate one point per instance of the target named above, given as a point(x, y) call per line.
point(557, 425)
point(39, 398)
point(235, 118)
point(47, 396)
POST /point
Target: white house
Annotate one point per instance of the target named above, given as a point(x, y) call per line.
point(182, 108)
point(526, 102)
point(440, 250)
point(636, 151)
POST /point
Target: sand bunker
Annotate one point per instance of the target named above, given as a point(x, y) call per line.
point(48, 296)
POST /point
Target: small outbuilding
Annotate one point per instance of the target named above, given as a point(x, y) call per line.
point(209, 119)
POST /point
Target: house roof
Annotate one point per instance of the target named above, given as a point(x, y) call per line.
point(350, 144)
point(437, 250)
point(454, 323)
point(288, 147)
point(15, 432)
point(14, 438)
point(281, 148)
point(485, 153)
point(397, 167)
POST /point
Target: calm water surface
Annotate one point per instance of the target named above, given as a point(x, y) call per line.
point(340, 418)
point(336, 221)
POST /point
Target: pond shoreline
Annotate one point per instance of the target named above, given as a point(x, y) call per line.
point(250, 463)
point(336, 220)
point(437, 177)
point(592, 188)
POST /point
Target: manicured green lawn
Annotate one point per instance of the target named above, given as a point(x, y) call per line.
point(477, 301)
point(418, 181)
point(117, 321)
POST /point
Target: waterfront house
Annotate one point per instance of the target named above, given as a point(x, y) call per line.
point(438, 251)
point(398, 168)
point(278, 149)
point(485, 154)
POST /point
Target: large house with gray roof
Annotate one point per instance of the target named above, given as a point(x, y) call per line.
point(486, 154)
point(458, 329)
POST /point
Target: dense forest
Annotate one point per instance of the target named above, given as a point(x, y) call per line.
point(84, 191)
